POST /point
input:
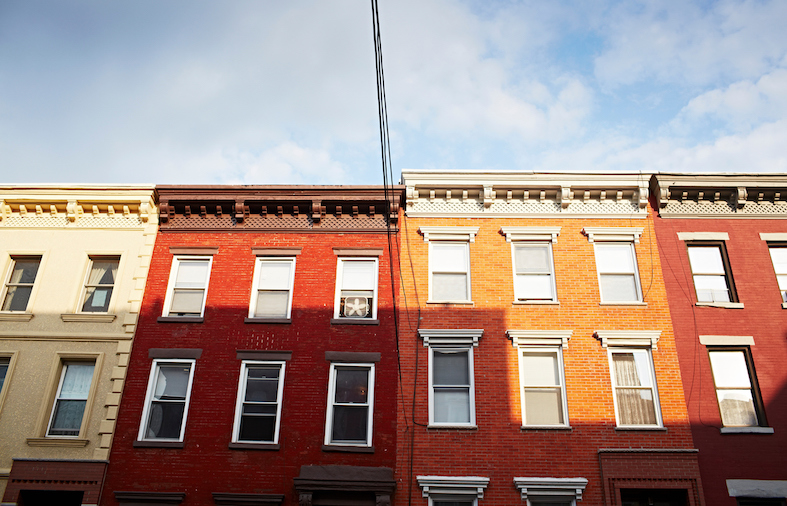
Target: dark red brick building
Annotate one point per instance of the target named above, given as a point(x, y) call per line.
point(264, 370)
point(723, 246)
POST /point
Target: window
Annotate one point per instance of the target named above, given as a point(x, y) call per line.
point(534, 278)
point(356, 288)
point(5, 362)
point(451, 386)
point(258, 410)
point(167, 400)
point(350, 405)
point(449, 272)
point(618, 276)
point(272, 293)
point(188, 286)
point(19, 284)
point(453, 490)
point(634, 387)
point(779, 258)
point(710, 270)
point(736, 387)
point(71, 399)
point(542, 386)
point(99, 284)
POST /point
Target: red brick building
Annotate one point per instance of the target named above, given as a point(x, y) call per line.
point(265, 368)
point(723, 246)
point(537, 351)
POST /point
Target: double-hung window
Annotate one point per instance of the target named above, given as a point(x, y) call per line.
point(710, 270)
point(258, 409)
point(449, 263)
point(356, 288)
point(167, 400)
point(736, 387)
point(541, 376)
point(271, 296)
point(99, 284)
point(779, 258)
point(188, 286)
point(634, 387)
point(451, 376)
point(534, 267)
point(350, 404)
point(71, 398)
point(19, 283)
point(616, 263)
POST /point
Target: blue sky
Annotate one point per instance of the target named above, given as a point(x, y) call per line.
point(267, 92)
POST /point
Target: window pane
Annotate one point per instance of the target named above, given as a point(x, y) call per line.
point(532, 259)
point(358, 274)
point(452, 405)
point(352, 385)
point(16, 298)
point(614, 258)
point(257, 428)
point(165, 420)
point(187, 302)
point(192, 274)
point(262, 390)
point(730, 369)
point(97, 299)
point(172, 382)
point(272, 304)
point(449, 258)
point(103, 272)
point(3, 370)
point(533, 286)
point(451, 368)
point(636, 406)
point(706, 260)
point(76, 383)
point(25, 270)
point(619, 287)
point(275, 275)
point(779, 257)
point(356, 304)
point(632, 369)
point(449, 286)
point(543, 406)
point(67, 418)
point(349, 423)
point(711, 288)
point(540, 369)
point(737, 407)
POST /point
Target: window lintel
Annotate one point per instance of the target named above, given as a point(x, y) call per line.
point(560, 487)
point(539, 337)
point(448, 337)
point(466, 234)
point(703, 236)
point(628, 338)
point(727, 340)
point(273, 251)
point(358, 252)
point(531, 233)
point(773, 237)
point(600, 234)
point(453, 485)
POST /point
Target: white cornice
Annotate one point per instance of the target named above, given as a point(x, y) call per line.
point(628, 338)
point(453, 485)
point(539, 337)
point(551, 487)
point(531, 233)
point(596, 234)
point(449, 233)
point(449, 337)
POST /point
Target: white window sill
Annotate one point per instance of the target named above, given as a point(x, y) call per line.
point(547, 427)
point(15, 317)
point(88, 317)
point(641, 427)
point(451, 426)
point(468, 302)
point(537, 302)
point(624, 303)
point(746, 430)
point(55, 441)
point(728, 305)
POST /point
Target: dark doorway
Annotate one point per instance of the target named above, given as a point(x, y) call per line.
point(654, 497)
point(50, 497)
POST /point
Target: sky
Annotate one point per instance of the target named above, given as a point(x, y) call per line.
point(272, 92)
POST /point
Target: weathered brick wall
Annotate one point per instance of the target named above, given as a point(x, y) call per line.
point(205, 464)
point(730, 456)
point(499, 448)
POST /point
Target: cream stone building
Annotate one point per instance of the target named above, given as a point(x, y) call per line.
point(73, 266)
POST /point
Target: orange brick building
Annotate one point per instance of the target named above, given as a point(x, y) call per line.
point(537, 352)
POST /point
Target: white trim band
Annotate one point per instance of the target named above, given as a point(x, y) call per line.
point(539, 337)
point(531, 233)
point(757, 488)
point(466, 234)
point(703, 236)
point(727, 340)
point(629, 234)
point(453, 485)
point(551, 487)
point(628, 338)
point(450, 337)
point(773, 237)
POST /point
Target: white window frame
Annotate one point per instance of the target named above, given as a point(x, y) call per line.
point(449, 236)
point(541, 341)
point(7, 282)
point(173, 274)
point(605, 236)
point(255, 288)
point(242, 384)
point(753, 388)
point(87, 284)
point(654, 386)
point(453, 488)
point(726, 275)
point(779, 275)
point(523, 237)
point(340, 261)
point(434, 269)
point(329, 420)
point(64, 367)
point(149, 398)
